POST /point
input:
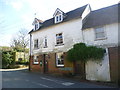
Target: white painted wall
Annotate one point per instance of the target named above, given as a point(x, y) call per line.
point(71, 34)
point(111, 32)
point(94, 71)
point(98, 70)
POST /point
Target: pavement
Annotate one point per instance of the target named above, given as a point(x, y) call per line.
point(17, 69)
point(22, 78)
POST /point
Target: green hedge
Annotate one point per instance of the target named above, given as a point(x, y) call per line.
point(7, 59)
point(81, 52)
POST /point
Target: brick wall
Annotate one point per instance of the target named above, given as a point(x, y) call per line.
point(52, 68)
point(114, 69)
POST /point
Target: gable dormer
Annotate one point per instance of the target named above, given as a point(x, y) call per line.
point(86, 11)
point(37, 23)
point(58, 16)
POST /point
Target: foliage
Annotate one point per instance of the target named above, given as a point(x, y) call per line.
point(7, 59)
point(20, 41)
point(81, 52)
point(23, 62)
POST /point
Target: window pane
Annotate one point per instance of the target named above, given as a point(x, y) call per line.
point(60, 17)
point(57, 18)
point(101, 29)
point(100, 35)
point(36, 43)
point(59, 38)
point(99, 32)
point(59, 58)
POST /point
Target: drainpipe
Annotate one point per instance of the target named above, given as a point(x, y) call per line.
point(30, 53)
point(44, 63)
point(83, 37)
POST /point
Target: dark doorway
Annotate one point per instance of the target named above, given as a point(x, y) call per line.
point(79, 69)
point(45, 64)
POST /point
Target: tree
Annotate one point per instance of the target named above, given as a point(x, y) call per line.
point(7, 59)
point(23, 37)
point(16, 44)
point(21, 41)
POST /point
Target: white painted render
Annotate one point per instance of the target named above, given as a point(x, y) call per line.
point(101, 71)
point(71, 34)
point(111, 33)
point(98, 70)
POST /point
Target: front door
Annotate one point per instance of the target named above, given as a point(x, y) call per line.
point(79, 69)
point(45, 64)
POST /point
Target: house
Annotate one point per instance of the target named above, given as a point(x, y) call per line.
point(51, 39)
point(19, 57)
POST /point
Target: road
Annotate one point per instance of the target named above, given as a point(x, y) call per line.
point(26, 79)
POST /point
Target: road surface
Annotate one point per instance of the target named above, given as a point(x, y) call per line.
point(26, 79)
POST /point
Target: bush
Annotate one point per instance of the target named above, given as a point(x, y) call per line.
point(7, 59)
point(81, 52)
point(22, 62)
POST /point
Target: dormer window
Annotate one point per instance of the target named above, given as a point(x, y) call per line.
point(37, 23)
point(58, 16)
point(36, 26)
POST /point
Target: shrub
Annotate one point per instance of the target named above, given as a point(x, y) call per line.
point(81, 52)
point(7, 59)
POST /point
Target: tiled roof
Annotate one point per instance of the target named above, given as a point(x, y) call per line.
point(107, 15)
point(69, 16)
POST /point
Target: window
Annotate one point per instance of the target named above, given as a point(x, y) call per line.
point(99, 33)
point(59, 39)
point(36, 60)
point(59, 59)
point(45, 42)
point(19, 59)
point(58, 18)
point(36, 26)
point(36, 44)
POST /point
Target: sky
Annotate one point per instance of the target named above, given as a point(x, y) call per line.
point(18, 14)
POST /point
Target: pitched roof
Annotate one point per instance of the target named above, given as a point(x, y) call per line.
point(107, 15)
point(69, 16)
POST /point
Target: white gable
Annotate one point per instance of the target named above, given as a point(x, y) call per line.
point(57, 12)
point(58, 16)
point(86, 11)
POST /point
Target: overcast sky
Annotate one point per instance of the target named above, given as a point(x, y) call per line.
point(17, 14)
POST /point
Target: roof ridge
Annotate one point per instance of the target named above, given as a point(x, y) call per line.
point(77, 8)
point(103, 8)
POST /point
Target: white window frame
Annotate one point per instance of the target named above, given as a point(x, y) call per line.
point(58, 58)
point(57, 18)
point(45, 42)
point(36, 59)
point(58, 39)
point(37, 26)
point(101, 32)
point(37, 47)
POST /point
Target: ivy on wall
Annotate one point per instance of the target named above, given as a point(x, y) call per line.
point(82, 52)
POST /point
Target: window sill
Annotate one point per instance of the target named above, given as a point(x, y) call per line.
point(59, 44)
point(100, 39)
point(36, 63)
point(36, 48)
point(59, 66)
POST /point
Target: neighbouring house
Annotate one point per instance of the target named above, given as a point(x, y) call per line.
point(51, 39)
point(21, 56)
point(17, 55)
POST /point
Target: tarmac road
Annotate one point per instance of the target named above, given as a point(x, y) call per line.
point(26, 79)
